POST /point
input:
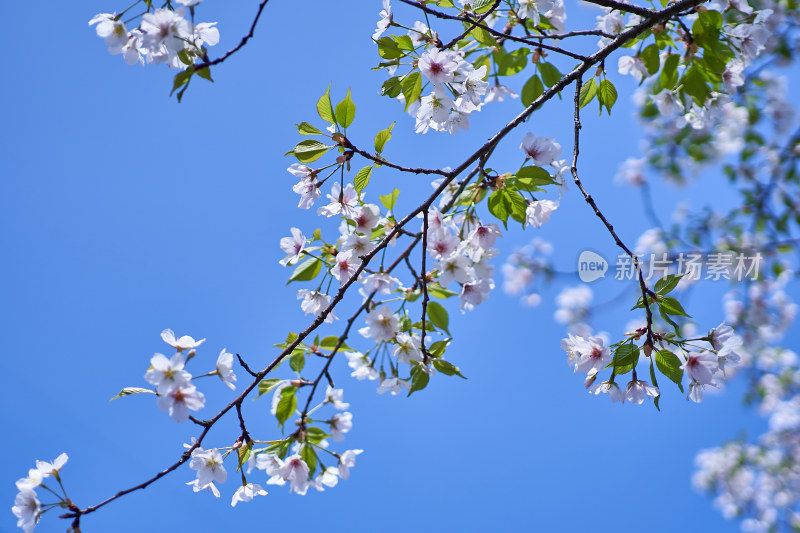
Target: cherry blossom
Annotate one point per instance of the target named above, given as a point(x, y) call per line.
point(246, 493)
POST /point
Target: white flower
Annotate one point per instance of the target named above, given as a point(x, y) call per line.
point(206, 33)
point(165, 27)
point(610, 388)
point(498, 93)
point(385, 21)
point(631, 172)
point(538, 212)
point(180, 400)
point(531, 9)
point(308, 191)
point(208, 464)
point(346, 461)
point(418, 33)
point(188, 3)
point(52, 469)
point(636, 391)
point(438, 66)
point(382, 324)
point(33, 480)
point(633, 66)
point(360, 245)
point(750, 39)
point(315, 302)
point(666, 103)
point(342, 202)
point(184, 343)
point(328, 478)
point(362, 369)
point(167, 374)
point(380, 282)
point(393, 385)
point(112, 30)
point(485, 236)
point(366, 218)
point(345, 266)
point(26, 509)
point(295, 471)
point(469, 82)
point(293, 246)
point(700, 367)
point(197, 487)
point(453, 267)
point(733, 78)
point(474, 293)
point(434, 107)
point(543, 150)
point(407, 348)
point(340, 424)
point(225, 369)
point(246, 493)
point(593, 356)
point(336, 397)
point(442, 243)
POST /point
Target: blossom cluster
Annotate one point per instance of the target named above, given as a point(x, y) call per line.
point(161, 37)
point(27, 507)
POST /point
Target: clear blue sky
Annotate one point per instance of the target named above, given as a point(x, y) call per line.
point(125, 213)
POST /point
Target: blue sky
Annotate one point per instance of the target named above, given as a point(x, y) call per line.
point(126, 213)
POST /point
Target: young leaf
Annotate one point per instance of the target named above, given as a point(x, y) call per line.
point(670, 365)
point(297, 361)
point(286, 405)
point(532, 90)
point(606, 95)
point(345, 111)
point(382, 138)
point(307, 270)
point(324, 107)
point(266, 385)
point(304, 128)
point(362, 178)
point(388, 200)
point(309, 150)
point(671, 306)
point(666, 284)
point(447, 368)
point(419, 378)
point(588, 92)
point(412, 88)
point(550, 74)
point(438, 315)
point(127, 391)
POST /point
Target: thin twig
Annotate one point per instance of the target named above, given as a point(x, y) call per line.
point(206, 63)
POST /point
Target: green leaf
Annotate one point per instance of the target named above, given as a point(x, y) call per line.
point(497, 206)
point(670, 365)
point(243, 453)
point(666, 284)
point(205, 73)
point(531, 179)
point(304, 128)
point(438, 315)
point(550, 74)
point(606, 95)
point(671, 306)
point(655, 384)
point(669, 73)
point(516, 205)
point(330, 342)
point(483, 36)
point(510, 64)
point(419, 378)
point(316, 435)
point(286, 405)
point(403, 42)
point(625, 359)
point(362, 178)
point(694, 84)
point(388, 49)
point(307, 270)
point(266, 385)
point(345, 111)
point(651, 59)
point(447, 368)
point(297, 361)
point(309, 150)
point(588, 92)
point(532, 90)
point(310, 457)
point(392, 87)
point(437, 291)
point(437, 348)
point(382, 138)
point(280, 448)
point(388, 200)
point(324, 107)
point(412, 88)
point(127, 391)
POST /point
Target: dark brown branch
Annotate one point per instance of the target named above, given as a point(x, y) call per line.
point(350, 146)
point(244, 365)
point(628, 8)
point(602, 217)
point(206, 63)
point(424, 281)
